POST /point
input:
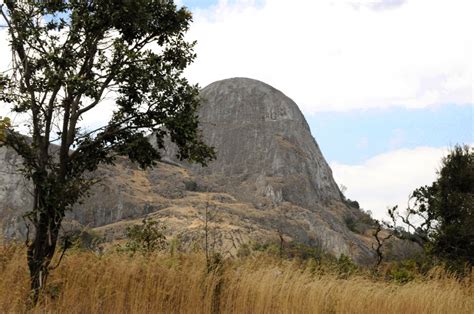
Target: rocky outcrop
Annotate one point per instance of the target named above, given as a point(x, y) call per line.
point(15, 195)
point(261, 135)
point(269, 178)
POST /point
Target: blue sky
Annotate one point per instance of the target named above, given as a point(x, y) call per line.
point(205, 4)
point(354, 136)
point(195, 4)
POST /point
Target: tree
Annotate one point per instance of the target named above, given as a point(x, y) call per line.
point(213, 258)
point(67, 56)
point(442, 214)
point(380, 241)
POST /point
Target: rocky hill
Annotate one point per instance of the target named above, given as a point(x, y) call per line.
point(269, 179)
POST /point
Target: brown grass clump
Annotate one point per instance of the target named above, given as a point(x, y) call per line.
point(118, 283)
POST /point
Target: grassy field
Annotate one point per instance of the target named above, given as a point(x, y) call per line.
point(118, 283)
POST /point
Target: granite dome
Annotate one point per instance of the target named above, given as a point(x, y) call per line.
point(260, 134)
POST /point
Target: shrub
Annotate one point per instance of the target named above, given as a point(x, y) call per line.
point(350, 223)
point(191, 186)
point(82, 240)
point(290, 250)
point(145, 238)
point(403, 271)
point(345, 266)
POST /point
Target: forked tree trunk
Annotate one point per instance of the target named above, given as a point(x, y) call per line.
point(41, 250)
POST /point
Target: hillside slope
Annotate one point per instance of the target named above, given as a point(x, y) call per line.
point(269, 179)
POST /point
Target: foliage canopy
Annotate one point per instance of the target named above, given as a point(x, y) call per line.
point(69, 58)
point(444, 210)
point(145, 238)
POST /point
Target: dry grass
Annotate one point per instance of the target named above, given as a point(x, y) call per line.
point(86, 283)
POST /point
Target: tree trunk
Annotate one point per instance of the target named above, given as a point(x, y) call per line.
point(41, 250)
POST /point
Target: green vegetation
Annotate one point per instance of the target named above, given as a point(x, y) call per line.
point(441, 217)
point(191, 186)
point(145, 238)
point(5, 123)
point(67, 55)
point(85, 239)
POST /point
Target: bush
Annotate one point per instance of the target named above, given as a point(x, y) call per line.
point(244, 250)
point(345, 266)
point(351, 203)
point(350, 223)
point(303, 251)
point(403, 271)
point(191, 186)
point(145, 238)
point(82, 240)
point(290, 250)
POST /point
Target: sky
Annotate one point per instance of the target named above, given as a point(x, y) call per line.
point(385, 85)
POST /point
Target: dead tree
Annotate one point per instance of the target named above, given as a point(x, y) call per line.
point(380, 242)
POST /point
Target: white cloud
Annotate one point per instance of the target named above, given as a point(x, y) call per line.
point(388, 179)
point(337, 55)
point(341, 55)
point(5, 62)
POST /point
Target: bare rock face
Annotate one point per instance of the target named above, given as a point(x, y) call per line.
point(264, 145)
point(15, 195)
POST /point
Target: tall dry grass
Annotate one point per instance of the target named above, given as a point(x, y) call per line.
point(113, 283)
